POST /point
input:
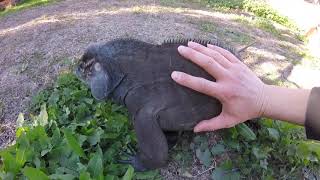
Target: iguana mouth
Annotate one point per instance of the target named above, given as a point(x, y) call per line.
point(85, 69)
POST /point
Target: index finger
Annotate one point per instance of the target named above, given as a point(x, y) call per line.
point(204, 61)
point(227, 54)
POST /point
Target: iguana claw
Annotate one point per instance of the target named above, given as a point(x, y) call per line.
point(134, 162)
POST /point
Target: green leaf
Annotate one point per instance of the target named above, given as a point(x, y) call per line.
point(43, 116)
point(221, 174)
point(73, 143)
point(111, 177)
point(204, 156)
point(246, 132)
point(62, 176)
point(95, 138)
point(7, 176)
point(273, 133)
point(84, 176)
point(129, 174)
point(95, 166)
point(20, 120)
point(218, 174)
point(9, 162)
point(146, 175)
point(259, 153)
point(217, 149)
point(34, 174)
point(22, 156)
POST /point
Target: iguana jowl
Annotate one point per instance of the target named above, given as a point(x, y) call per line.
point(137, 75)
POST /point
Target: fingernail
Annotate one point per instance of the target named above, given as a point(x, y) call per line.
point(196, 130)
point(192, 44)
point(175, 75)
point(209, 45)
point(182, 49)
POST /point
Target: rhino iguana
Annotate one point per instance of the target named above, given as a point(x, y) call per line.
point(136, 74)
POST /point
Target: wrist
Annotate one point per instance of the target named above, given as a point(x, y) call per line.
point(285, 104)
point(263, 100)
point(269, 90)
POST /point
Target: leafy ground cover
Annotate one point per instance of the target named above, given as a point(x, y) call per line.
point(72, 137)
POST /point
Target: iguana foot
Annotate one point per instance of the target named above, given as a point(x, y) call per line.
point(172, 138)
point(135, 163)
point(133, 160)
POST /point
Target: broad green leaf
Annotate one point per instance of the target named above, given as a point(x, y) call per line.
point(20, 120)
point(246, 132)
point(217, 149)
point(37, 162)
point(218, 174)
point(73, 143)
point(147, 175)
point(233, 132)
point(95, 138)
point(54, 98)
point(259, 153)
point(62, 176)
point(221, 174)
point(20, 131)
point(273, 133)
point(9, 162)
point(264, 164)
point(43, 116)
point(7, 176)
point(95, 167)
point(204, 156)
point(22, 156)
point(232, 143)
point(34, 174)
point(226, 165)
point(111, 177)
point(56, 137)
point(129, 174)
point(84, 176)
point(88, 100)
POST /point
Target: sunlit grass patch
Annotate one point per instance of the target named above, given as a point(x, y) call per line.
point(25, 4)
point(258, 8)
point(227, 34)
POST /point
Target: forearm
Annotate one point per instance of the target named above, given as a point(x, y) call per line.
point(285, 104)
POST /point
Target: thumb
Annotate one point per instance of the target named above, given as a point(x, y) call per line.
point(213, 124)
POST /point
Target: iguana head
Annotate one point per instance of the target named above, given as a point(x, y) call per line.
point(93, 71)
point(94, 75)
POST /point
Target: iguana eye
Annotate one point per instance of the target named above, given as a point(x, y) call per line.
point(97, 67)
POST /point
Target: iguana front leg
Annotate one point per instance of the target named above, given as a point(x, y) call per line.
point(152, 143)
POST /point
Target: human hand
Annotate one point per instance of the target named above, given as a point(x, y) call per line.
point(240, 91)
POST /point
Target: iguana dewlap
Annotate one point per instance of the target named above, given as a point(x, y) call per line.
point(137, 75)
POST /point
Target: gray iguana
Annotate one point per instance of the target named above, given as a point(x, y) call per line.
point(137, 75)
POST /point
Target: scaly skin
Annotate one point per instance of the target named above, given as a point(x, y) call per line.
point(137, 75)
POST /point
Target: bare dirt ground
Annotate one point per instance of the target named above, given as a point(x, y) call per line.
point(38, 43)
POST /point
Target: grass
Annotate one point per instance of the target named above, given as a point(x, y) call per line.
point(261, 23)
point(24, 5)
point(228, 34)
point(258, 8)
